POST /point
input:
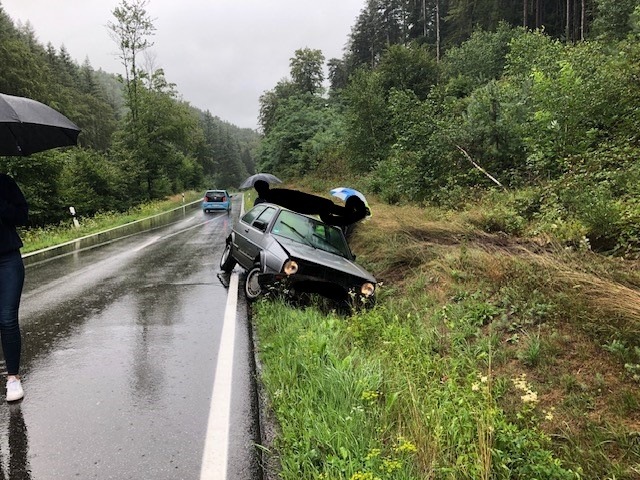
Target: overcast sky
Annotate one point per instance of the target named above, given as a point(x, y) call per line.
point(221, 54)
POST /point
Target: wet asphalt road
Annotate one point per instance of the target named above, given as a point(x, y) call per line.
point(120, 350)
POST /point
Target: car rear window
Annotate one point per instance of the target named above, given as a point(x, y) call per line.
point(215, 196)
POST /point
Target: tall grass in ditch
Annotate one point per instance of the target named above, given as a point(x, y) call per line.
point(379, 395)
point(327, 395)
point(481, 361)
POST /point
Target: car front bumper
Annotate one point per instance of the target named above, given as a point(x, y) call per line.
point(296, 284)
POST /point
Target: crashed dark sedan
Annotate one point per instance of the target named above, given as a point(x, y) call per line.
point(281, 248)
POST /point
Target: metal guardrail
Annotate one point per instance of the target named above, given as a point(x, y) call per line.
point(99, 238)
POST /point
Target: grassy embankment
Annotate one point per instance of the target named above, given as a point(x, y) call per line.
point(38, 238)
point(487, 356)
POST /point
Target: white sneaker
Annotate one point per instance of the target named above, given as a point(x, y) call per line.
point(14, 390)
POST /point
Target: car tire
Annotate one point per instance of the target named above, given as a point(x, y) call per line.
point(252, 288)
point(227, 262)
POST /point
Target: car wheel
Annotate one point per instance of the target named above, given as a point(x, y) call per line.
point(252, 288)
point(227, 262)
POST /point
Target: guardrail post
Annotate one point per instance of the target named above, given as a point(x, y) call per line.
point(75, 220)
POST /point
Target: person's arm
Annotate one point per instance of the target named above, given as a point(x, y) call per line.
point(13, 206)
point(342, 216)
point(339, 220)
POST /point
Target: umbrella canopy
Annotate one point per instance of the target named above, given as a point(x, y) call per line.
point(343, 193)
point(28, 126)
point(267, 177)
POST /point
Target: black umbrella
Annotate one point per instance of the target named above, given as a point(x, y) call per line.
point(267, 177)
point(28, 126)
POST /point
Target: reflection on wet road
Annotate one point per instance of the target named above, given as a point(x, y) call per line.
point(119, 357)
point(14, 449)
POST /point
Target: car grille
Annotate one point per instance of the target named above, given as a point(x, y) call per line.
point(328, 274)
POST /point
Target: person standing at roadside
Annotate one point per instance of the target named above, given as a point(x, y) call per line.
point(13, 212)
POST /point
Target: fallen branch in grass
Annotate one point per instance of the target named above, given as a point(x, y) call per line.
point(464, 152)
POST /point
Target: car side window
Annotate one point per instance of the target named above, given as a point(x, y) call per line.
point(264, 218)
point(251, 215)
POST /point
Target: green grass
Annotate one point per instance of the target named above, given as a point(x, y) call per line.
point(38, 238)
point(329, 399)
point(485, 358)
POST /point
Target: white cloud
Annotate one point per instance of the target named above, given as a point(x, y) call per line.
point(221, 54)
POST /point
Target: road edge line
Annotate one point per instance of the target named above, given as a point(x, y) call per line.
point(216, 446)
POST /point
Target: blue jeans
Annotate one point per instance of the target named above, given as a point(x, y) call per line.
point(11, 283)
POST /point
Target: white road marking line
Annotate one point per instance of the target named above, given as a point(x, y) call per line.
point(151, 241)
point(164, 237)
point(169, 235)
point(214, 457)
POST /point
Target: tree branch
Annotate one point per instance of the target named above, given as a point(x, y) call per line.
point(464, 152)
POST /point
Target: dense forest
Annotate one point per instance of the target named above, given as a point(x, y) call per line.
point(139, 140)
point(448, 101)
point(434, 101)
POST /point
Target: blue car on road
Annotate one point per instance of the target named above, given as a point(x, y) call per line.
point(216, 200)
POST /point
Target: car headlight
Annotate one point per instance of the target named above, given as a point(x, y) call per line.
point(290, 267)
point(367, 289)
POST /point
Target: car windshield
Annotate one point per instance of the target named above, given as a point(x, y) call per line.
point(308, 231)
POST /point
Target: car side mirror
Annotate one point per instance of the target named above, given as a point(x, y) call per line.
point(260, 225)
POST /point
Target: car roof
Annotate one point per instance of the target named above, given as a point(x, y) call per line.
point(280, 207)
point(312, 217)
point(216, 190)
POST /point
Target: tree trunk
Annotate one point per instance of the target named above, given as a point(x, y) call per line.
point(582, 20)
point(524, 13)
point(567, 32)
point(438, 30)
point(576, 21)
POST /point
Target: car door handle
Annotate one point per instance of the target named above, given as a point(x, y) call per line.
point(246, 230)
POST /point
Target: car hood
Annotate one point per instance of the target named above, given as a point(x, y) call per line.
point(320, 257)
